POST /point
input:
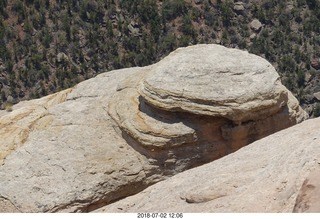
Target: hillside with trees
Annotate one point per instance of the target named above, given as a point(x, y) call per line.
point(50, 45)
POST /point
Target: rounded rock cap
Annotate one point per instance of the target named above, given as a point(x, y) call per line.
point(216, 81)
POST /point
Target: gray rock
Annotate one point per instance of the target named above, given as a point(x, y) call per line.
point(238, 6)
point(252, 36)
point(317, 95)
point(10, 99)
point(62, 57)
point(256, 25)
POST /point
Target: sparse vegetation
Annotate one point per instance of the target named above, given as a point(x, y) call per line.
point(8, 107)
point(316, 112)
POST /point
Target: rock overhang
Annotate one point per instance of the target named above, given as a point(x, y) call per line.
point(162, 105)
point(214, 80)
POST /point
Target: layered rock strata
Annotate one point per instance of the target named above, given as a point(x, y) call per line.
point(114, 135)
point(279, 173)
point(206, 100)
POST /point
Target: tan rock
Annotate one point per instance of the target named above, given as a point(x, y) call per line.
point(16, 125)
point(101, 141)
point(269, 175)
point(188, 122)
point(145, 125)
point(75, 161)
point(215, 81)
point(308, 199)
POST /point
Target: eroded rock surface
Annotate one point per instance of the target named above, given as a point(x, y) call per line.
point(203, 98)
point(114, 135)
point(308, 199)
point(279, 173)
point(215, 81)
point(75, 162)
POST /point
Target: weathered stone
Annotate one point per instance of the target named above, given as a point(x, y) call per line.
point(308, 199)
point(317, 95)
point(190, 120)
point(238, 6)
point(146, 126)
point(269, 175)
point(252, 36)
point(101, 141)
point(10, 99)
point(16, 126)
point(308, 77)
point(150, 128)
point(65, 154)
point(215, 81)
point(256, 25)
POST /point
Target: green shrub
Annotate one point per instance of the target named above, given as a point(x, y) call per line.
point(8, 107)
point(316, 112)
point(173, 8)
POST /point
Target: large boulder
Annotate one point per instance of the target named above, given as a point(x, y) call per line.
point(279, 173)
point(203, 98)
point(215, 81)
point(114, 135)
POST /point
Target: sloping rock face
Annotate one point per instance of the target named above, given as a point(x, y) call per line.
point(76, 160)
point(279, 173)
point(308, 199)
point(114, 135)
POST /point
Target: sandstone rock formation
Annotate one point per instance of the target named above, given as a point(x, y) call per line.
point(70, 159)
point(204, 99)
point(279, 173)
point(308, 199)
point(240, 89)
point(116, 134)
